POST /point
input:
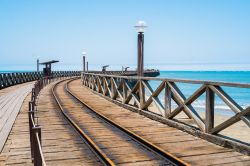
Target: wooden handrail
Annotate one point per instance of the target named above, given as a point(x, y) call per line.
point(130, 90)
point(215, 83)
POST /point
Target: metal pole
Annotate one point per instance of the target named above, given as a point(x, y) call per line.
point(84, 64)
point(37, 65)
point(87, 66)
point(140, 54)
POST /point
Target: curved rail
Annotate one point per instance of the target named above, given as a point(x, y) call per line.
point(99, 153)
point(148, 145)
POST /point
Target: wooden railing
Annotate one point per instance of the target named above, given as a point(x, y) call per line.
point(34, 128)
point(10, 79)
point(131, 91)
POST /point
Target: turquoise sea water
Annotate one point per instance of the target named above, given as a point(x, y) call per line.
point(14, 71)
point(240, 95)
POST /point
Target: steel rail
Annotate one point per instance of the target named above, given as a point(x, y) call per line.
point(148, 145)
point(98, 152)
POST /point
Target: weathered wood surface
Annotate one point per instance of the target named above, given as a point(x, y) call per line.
point(119, 147)
point(10, 105)
point(60, 143)
point(189, 148)
point(17, 148)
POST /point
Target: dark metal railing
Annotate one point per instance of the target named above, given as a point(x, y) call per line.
point(10, 79)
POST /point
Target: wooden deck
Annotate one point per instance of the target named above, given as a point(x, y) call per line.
point(187, 147)
point(61, 144)
point(16, 149)
point(112, 141)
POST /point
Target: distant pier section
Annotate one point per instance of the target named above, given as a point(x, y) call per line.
point(147, 73)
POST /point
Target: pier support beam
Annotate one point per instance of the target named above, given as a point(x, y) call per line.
point(37, 65)
point(140, 63)
point(83, 64)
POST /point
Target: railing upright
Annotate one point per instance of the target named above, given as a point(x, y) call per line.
point(36, 136)
point(209, 121)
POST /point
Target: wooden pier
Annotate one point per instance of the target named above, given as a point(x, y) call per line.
point(16, 149)
point(104, 120)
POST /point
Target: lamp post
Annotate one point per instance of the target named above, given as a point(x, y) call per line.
point(87, 69)
point(84, 54)
point(140, 27)
point(37, 65)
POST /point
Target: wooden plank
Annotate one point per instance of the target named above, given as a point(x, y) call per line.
point(16, 149)
point(10, 112)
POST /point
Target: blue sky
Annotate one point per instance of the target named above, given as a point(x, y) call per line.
point(188, 34)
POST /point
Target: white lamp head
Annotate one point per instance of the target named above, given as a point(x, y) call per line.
point(141, 26)
point(84, 53)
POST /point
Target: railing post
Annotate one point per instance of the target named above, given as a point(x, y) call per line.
point(33, 94)
point(99, 85)
point(37, 156)
point(41, 80)
point(209, 122)
point(167, 100)
point(32, 105)
point(31, 114)
point(125, 93)
point(141, 94)
point(112, 88)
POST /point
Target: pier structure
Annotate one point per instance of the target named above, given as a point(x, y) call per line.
point(47, 69)
point(117, 118)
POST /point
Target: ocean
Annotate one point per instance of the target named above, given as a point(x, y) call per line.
point(14, 71)
point(240, 95)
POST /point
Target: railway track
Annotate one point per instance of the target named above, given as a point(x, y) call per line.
point(109, 141)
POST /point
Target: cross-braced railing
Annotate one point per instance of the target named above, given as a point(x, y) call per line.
point(132, 91)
